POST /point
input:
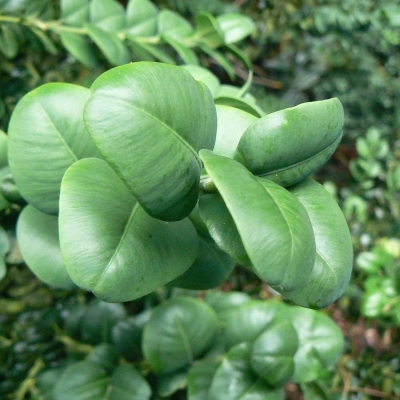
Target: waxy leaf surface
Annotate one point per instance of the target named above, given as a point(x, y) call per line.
point(273, 225)
point(334, 259)
point(39, 243)
point(121, 255)
point(149, 121)
point(46, 136)
point(179, 331)
point(289, 145)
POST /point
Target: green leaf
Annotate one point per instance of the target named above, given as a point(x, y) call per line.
point(210, 269)
point(45, 40)
point(221, 59)
point(38, 241)
point(187, 55)
point(172, 25)
point(106, 356)
point(4, 249)
point(232, 123)
point(113, 48)
point(180, 330)
point(333, 263)
point(107, 15)
point(151, 110)
point(222, 228)
point(168, 384)
point(80, 48)
point(200, 377)
point(126, 253)
point(248, 320)
point(46, 136)
point(223, 301)
point(149, 51)
point(320, 343)
point(141, 18)
point(74, 12)
point(204, 75)
point(9, 45)
point(235, 380)
point(289, 145)
point(208, 31)
point(272, 354)
point(235, 27)
point(273, 225)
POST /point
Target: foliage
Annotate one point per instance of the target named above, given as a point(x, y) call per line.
point(189, 346)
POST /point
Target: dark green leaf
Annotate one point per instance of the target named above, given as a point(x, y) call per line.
point(45, 40)
point(200, 377)
point(9, 45)
point(126, 253)
point(223, 301)
point(168, 384)
point(106, 356)
point(4, 248)
point(221, 59)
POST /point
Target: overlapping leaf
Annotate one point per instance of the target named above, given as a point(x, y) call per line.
point(152, 145)
point(121, 255)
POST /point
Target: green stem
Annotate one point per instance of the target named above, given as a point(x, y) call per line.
point(207, 185)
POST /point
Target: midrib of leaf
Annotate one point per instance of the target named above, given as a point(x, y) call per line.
point(73, 155)
point(327, 264)
point(120, 243)
point(173, 132)
point(185, 340)
point(76, 12)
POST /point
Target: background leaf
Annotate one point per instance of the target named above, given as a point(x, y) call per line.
point(126, 254)
point(4, 248)
point(181, 121)
point(235, 27)
point(141, 18)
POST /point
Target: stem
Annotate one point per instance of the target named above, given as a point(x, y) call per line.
point(207, 185)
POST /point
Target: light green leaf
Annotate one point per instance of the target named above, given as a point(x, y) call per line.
point(80, 48)
point(151, 110)
point(4, 249)
point(272, 354)
point(145, 51)
point(74, 12)
point(334, 259)
point(141, 18)
point(172, 25)
point(204, 75)
point(110, 45)
point(289, 145)
point(180, 330)
point(126, 254)
point(38, 240)
point(210, 269)
point(248, 320)
point(187, 55)
point(107, 15)
point(232, 122)
point(235, 380)
point(320, 343)
point(208, 31)
point(235, 27)
point(3, 149)
point(273, 225)
point(9, 45)
point(221, 59)
point(46, 136)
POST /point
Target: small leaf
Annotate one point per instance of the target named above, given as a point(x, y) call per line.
point(110, 45)
point(80, 48)
point(221, 59)
point(172, 25)
point(141, 18)
point(105, 356)
point(180, 330)
point(235, 27)
point(289, 145)
point(273, 225)
point(151, 109)
point(187, 55)
point(223, 301)
point(45, 40)
point(334, 259)
point(107, 15)
point(150, 52)
point(39, 243)
point(74, 12)
point(126, 254)
point(204, 75)
point(208, 31)
point(9, 45)
point(46, 136)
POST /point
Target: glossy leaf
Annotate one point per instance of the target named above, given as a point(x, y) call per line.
point(144, 132)
point(320, 343)
point(74, 12)
point(39, 243)
point(232, 122)
point(235, 27)
point(282, 247)
point(80, 47)
point(222, 228)
point(126, 254)
point(204, 75)
point(223, 301)
point(110, 44)
point(289, 145)
point(4, 248)
point(210, 269)
point(200, 377)
point(141, 18)
point(107, 15)
point(334, 259)
point(180, 330)
point(272, 354)
point(235, 379)
point(46, 136)
point(247, 321)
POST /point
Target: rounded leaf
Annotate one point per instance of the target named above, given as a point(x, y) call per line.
point(46, 136)
point(273, 225)
point(334, 258)
point(179, 331)
point(235, 27)
point(110, 245)
point(204, 75)
point(289, 145)
point(223, 301)
point(38, 240)
point(149, 120)
point(272, 354)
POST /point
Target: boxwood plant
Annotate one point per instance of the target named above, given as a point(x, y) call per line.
point(154, 177)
